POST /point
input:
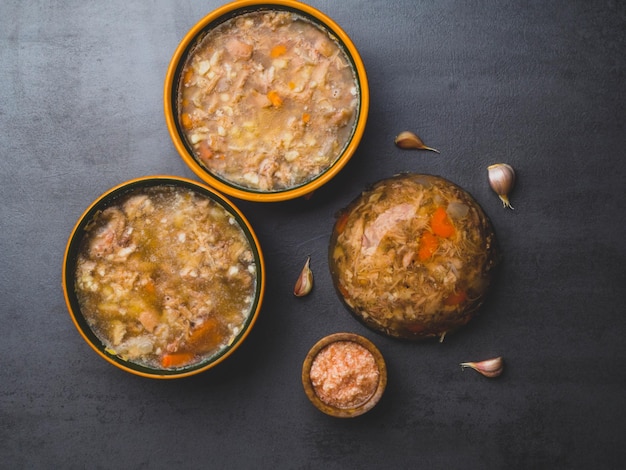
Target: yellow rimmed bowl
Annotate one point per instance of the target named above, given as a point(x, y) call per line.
point(98, 342)
point(280, 178)
point(344, 375)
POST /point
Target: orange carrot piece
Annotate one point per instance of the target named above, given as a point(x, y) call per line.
point(428, 246)
point(440, 223)
point(456, 298)
point(186, 121)
point(416, 328)
point(278, 50)
point(306, 117)
point(150, 287)
point(341, 223)
point(204, 151)
point(187, 76)
point(176, 359)
point(206, 337)
point(275, 98)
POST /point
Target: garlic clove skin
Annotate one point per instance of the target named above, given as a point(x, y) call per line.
point(409, 140)
point(502, 180)
point(489, 367)
point(304, 283)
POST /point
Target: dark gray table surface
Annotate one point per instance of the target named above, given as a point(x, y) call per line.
point(537, 84)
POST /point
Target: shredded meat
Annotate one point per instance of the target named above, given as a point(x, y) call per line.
point(413, 256)
point(268, 100)
point(159, 268)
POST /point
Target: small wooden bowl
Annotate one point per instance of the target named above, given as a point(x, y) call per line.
point(362, 407)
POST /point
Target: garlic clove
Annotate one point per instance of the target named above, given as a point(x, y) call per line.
point(489, 367)
point(502, 180)
point(304, 283)
point(409, 140)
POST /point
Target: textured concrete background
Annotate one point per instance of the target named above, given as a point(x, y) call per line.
point(537, 84)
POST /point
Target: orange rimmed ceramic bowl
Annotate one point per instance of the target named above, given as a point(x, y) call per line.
point(266, 100)
point(344, 375)
point(163, 277)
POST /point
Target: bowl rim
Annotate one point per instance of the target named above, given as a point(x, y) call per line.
point(344, 412)
point(249, 194)
point(71, 251)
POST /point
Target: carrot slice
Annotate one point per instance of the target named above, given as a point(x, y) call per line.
point(428, 246)
point(456, 298)
point(275, 98)
point(186, 121)
point(206, 337)
point(278, 50)
point(176, 359)
point(416, 328)
point(341, 223)
point(204, 151)
point(187, 76)
point(440, 223)
point(149, 287)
